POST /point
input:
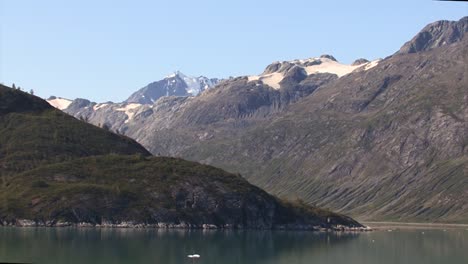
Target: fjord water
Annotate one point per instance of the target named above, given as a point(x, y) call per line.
point(71, 245)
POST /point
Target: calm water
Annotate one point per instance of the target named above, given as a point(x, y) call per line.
point(69, 245)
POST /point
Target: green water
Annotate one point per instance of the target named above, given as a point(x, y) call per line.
point(70, 245)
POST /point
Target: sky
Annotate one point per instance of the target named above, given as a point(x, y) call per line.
point(105, 50)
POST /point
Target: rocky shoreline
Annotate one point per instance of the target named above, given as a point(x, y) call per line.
point(137, 225)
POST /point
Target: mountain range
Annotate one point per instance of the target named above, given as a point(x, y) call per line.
point(379, 140)
point(58, 171)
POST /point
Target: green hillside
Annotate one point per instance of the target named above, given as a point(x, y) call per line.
point(33, 133)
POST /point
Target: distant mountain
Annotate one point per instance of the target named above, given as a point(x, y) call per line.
point(117, 115)
point(177, 84)
point(296, 79)
point(56, 170)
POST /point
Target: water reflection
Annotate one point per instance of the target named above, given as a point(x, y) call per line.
point(88, 245)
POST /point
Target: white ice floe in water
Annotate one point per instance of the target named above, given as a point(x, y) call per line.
point(129, 110)
point(60, 103)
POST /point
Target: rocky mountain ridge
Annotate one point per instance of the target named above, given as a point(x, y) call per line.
point(297, 78)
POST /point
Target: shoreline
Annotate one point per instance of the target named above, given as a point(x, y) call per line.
point(25, 223)
point(409, 225)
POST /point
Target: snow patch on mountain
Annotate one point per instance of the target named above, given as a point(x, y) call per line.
point(129, 109)
point(330, 66)
point(275, 72)
point(271, 79)
point(371, 64)
point(99, 106)
point(60, 103)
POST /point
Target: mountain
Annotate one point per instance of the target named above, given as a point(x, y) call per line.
point(177, 84)
point(260, 96)
point(57, 170)
point(435, 35)
point(116, 115)
point(381, 140)
point(386, 143)
point(33, 133)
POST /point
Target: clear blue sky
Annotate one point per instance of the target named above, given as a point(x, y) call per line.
point(104, 50)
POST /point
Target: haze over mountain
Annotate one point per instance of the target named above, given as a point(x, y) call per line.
point(381, 140)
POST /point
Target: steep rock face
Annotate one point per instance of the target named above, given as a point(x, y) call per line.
point(435, 35)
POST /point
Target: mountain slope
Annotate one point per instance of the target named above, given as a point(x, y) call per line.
point(233, 104)
point(57, 170)
point(384, 142)
point(32, 133)
point(115, 116)
point(161, 192)
point(381, 140)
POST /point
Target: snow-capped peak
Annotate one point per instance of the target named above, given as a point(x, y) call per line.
point(175, 84)
point(195, 85)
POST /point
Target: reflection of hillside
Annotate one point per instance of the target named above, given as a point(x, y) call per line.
point(161, 246)
point(118, 246)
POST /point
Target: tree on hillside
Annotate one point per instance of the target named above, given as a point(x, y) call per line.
point(31, 91)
